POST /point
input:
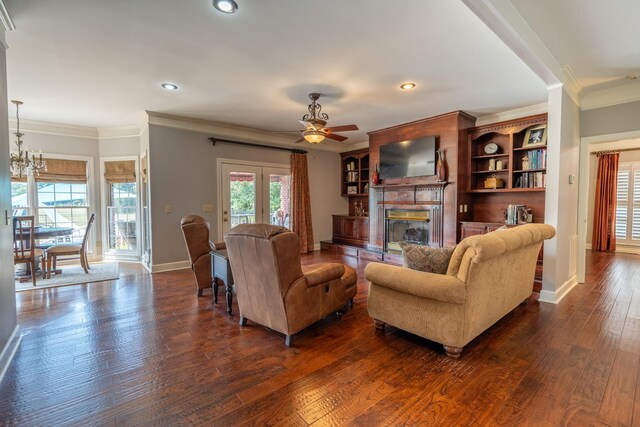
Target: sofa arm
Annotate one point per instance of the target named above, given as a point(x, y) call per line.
point(217, 246)
point(439, 287)
point(317, 274)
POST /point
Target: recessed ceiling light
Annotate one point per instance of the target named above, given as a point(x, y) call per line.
point(169, 86)
point(407, 85)
point(226, 6)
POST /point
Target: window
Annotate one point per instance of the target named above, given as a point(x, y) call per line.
point(628, 204)
point(19, 198)
point(63, 204)
point(57, 197)
point(122, 212)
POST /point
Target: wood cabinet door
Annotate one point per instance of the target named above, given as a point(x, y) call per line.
point(471, 230)
point(337, 226)
point(363, 229)
point(349, 228)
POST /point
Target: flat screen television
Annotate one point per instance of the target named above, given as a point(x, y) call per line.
point(414, 157)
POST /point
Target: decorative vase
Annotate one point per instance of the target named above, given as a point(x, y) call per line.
point(441, 166)
point(375, 177)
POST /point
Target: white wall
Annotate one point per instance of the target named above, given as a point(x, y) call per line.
point(561, 204)
point(182, 173)
point(609, 120)
point(123, 146)
point(9, 330)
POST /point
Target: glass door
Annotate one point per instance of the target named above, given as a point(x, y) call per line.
point(255, 194)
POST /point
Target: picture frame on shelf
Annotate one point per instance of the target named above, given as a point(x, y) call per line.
point(535, 136)
point(352, 189)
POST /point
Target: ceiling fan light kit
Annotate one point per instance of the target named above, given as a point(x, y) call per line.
point(226, 6)
point(315, 123)
point(313, 136)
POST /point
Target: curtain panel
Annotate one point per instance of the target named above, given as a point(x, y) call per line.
point(120, 171)
point(604, 219)
point(301, 202)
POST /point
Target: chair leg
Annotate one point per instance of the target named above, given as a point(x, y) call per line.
point(43, 266)
point(49, 258)
point(83, 261)
point(33, 271)
point(55, 260)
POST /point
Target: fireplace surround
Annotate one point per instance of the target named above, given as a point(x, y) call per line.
point(407, 226)
point(410, 213)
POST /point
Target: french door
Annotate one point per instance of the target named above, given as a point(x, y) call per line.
point(253, 193)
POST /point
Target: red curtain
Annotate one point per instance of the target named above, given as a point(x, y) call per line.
point(604, 219)
point(301, 202)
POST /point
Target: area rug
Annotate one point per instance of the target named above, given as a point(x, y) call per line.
point(73, 275)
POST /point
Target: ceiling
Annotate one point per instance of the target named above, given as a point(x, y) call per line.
point(101, 63)
point(599, 40)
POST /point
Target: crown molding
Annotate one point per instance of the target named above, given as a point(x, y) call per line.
point(51, 128)
point(572, 86)
point(622, 94)
point(225, 130)
point(5, 18)
point(74, 131)
point(119, 132)
point(516, 113)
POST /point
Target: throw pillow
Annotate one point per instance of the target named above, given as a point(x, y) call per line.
point(424, 258)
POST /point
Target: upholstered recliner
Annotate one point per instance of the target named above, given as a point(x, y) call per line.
point(195, 230)
point(487, 277)
point(274, 289)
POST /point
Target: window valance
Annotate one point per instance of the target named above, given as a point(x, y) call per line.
point(120, 171)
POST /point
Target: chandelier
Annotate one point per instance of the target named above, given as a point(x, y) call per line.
point(20, 163)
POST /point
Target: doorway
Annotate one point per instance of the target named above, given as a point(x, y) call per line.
point(253, 193)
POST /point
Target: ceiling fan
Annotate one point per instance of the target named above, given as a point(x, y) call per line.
point(315, 124)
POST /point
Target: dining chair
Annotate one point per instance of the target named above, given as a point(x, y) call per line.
point(52, 253)
point(24, 249)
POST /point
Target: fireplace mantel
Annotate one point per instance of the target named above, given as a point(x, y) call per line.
point(408, 197)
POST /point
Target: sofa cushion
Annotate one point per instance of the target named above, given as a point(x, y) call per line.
point(427, 259)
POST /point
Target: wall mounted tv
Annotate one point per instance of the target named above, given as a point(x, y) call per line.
point(414, 157)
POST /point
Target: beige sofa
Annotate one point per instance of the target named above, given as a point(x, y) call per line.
point(487, 277)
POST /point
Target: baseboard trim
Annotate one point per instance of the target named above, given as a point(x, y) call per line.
point(554, 297)
point(170, 266)
point(627, 249)
point(9, 351)
point(316, 247)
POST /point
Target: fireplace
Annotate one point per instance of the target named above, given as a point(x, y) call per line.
point(410, 226)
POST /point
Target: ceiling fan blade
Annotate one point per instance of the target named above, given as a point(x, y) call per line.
point(342, 128)
point(308, 125)
point(336, 137)
point(300, 140)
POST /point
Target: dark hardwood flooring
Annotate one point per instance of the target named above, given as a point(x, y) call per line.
point(145, 350)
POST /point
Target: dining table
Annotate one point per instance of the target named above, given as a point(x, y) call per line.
point(40, 233)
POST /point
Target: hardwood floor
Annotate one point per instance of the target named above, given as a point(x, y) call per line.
point(145, 350)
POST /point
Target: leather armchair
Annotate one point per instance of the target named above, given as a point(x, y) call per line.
point(195, 230)
point(274, 289)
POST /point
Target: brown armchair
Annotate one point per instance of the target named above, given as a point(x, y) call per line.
point(274, 289)
point(195, 230)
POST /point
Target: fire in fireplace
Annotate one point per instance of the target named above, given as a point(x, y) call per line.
point(406, 226)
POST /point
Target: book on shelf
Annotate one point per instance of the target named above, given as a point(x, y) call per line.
point(532, 180)
point(535, 159)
